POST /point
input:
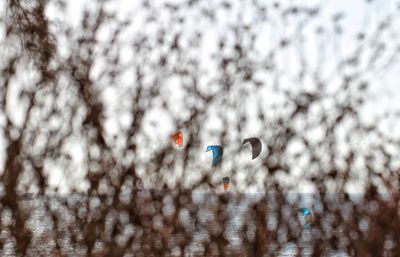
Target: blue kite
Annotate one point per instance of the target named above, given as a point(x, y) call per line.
point(217, 154)
point(307, 215)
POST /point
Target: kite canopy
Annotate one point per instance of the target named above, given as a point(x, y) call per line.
point(256, 146)
point(304, 211)
point(226, 182)
point(178, 138)
point(307, 215)
point(217, 153)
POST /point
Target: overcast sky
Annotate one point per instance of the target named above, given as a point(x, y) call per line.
point(385, 93)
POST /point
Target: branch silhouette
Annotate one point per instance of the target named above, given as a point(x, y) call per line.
point(88, 111)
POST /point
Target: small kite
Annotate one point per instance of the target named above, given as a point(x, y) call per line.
point(256, 146)
point(226, 182)
point(178, 138)
point(307, 215)
point(217, 153)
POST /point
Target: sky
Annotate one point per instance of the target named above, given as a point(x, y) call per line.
point(384, 94)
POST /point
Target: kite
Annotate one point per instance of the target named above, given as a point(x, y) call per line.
point(217, 154)
point(307, 215)
point(226, 182)
point(178, 138)
point(256, 146)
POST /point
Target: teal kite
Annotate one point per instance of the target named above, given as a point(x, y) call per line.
point(218, 152)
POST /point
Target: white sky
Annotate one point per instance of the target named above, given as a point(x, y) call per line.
point(385, 93)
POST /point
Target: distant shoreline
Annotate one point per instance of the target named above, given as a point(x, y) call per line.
point(176, 192)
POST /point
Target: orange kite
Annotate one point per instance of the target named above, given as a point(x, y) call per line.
point(178, 138)
point(226, 183)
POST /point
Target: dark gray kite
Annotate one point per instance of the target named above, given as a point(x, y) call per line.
point(256, 146)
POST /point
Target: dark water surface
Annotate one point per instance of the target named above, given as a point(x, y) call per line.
point(237, 209)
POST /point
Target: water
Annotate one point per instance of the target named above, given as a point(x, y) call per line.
point(237, 211)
